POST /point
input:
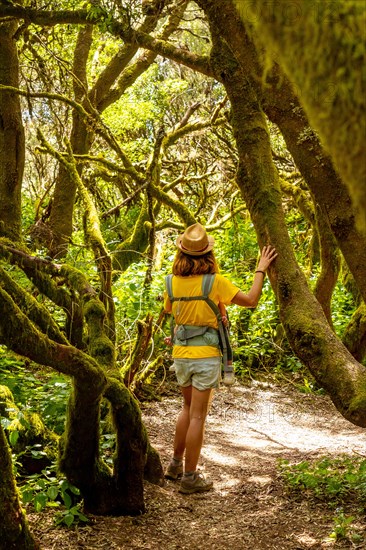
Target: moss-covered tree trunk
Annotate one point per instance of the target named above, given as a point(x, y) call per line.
point(354, 337)
point(108, 88)
point(14, 530)
point(94, 374)
point(12, 146)
point(320, 45)
point(106, 491)
point(61, 219)
point(330, 265)
point(280, 104)
point(301, 314)
point(331, 194)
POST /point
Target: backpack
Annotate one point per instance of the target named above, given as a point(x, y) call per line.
point(187, 332)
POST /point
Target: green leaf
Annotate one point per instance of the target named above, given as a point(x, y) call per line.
point(64, 484)
point(81, 517)
point(27, 495)
point(67, 499)
point(13, 437)
point(74, 489)
point(53, 504)
point(41, 484)
point(40, 501)
point(52, 492)
point(69, 519)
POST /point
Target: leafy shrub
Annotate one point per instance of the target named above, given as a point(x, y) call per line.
point(339, 482)
point(343, 528)
point(39, 391)
point(333, 480)
point(47, 490)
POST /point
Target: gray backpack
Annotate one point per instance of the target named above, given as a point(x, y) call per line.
point(192, 334)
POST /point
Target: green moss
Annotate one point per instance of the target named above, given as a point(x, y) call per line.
point(142, 342)
point(354, 337)
point(358, 403)
point(35, 311)
point(356, 411)
point(131, 249)
point(76, 278)
point(103, 351)
point(32, 431)
point(321, 46)
point(21, 336)
point(4, 243)
point(100, 346)
point(177, 206)
point(94, 309)
point(8, 409)
point(301, 199)
point(14, 530)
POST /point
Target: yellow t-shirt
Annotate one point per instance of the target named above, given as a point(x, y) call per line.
point(197, 312)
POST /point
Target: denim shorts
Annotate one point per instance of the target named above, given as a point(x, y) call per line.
point(202, 374)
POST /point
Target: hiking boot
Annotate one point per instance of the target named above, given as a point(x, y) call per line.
point(195, 484)
point(174, 470)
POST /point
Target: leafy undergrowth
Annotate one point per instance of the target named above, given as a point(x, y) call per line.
point(338, 482)
point(248, 429)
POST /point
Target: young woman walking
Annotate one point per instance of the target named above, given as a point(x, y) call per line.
point(197, 358)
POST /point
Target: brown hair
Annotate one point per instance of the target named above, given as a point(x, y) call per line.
point(185, 265)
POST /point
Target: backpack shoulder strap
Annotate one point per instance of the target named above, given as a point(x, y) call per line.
point(207, 283)
point(206, 286)
point(169, 289)
point(169, 286)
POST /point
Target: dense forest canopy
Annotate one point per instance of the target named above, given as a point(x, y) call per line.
point(124, 122)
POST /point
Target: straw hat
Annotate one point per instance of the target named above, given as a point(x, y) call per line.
point(195, 241)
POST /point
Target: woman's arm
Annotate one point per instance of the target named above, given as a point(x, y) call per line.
point(251, 299)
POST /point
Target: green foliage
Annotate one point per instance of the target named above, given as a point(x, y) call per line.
point(71, 517)
point(332, 480)
point(135, 117)
point(47, 490)
point(236, 248)
point(343, 306)
point(339, 482)
point(133, 302)
point(343, 528)
point(45, 394)
point(256, 346)
point(108, 447)
point(39, 392)
point(15, 415)
point(99, 14)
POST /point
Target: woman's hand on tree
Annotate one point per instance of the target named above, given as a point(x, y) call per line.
point(267, 256)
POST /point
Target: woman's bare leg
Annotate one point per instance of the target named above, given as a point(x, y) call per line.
point(182, 423)
point(199, 404)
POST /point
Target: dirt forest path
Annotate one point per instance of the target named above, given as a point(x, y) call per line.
point(248, 430)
